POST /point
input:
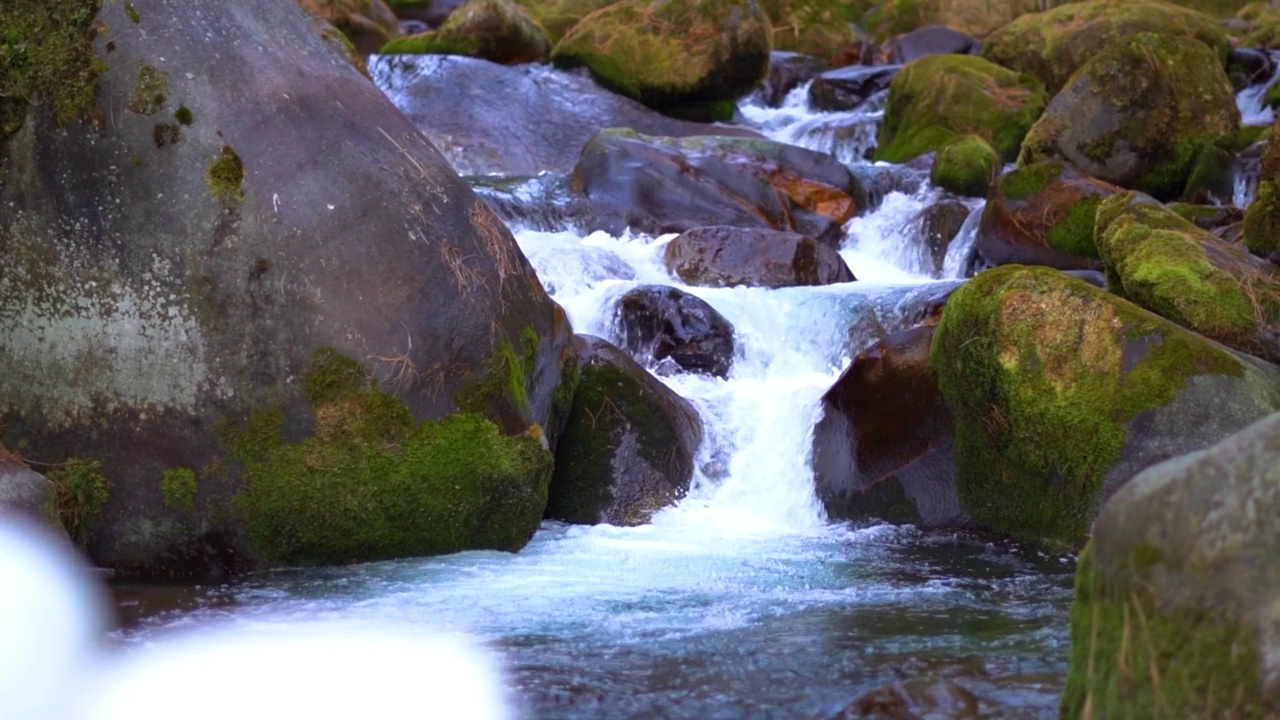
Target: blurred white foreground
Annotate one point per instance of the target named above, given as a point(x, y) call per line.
point(53, 665)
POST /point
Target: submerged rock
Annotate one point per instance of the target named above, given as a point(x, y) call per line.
point(1173, 268)
point(671, 54)
point(660, 185)
point(718, 256)
point(883, 448)
point(915, 699)
point(938, 98)
point(1139, 114)
point(491, 119)
point(1061, 392)
point(1051, 46)
point(629, 444)
point(656, 322)
point(1176, 594)
point(174, 267)
point(1042, 214)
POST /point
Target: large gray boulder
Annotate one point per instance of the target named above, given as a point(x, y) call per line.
point(1176, 596)
point(490, 118)
point(235, 234)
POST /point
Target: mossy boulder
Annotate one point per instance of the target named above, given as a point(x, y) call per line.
point(939, 98)
point(47, 58)
point(1061, 392)
point(719, 256)
point(629, 445)
point(972, 17)
point(1051, 46)
point(814, 27)
point(557, 17)
point(496, 30)
point(1262, 217)
point(168, 273)
point(1042, 214)
point(1174, 613)
point(883, 448)
point(368, 24)
point(965, 166)
point(370, 483)
point(664, 184)
point(668, 54)
point(1139, 113)
point(1166, 264)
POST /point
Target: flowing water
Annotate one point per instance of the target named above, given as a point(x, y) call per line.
point(742, 601)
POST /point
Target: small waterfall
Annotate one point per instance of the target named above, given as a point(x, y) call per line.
point(960, 251)
point(849, 135)
point(1252, 99)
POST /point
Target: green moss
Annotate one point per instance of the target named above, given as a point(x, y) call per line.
point(178, 485)
point(80, 492)
point(132, 12)
point(1074, 234)
point(496, 30)
point(937, 98)
point(668, 53)
point(370, 484)
point(149, 95)
point(332, 375)
point(183, 115)
point(814, 27)
point(502, 393)
point(226, 176)
point(1162, 263)
point(47, 58)
point(1043, 373)
point(1028, 180)
point(255, 438)
point(608, 402)
point(1131, 658)
point(1262, 220)
point(966, 166)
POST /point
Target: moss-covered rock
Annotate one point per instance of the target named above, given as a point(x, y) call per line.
point(368, 24)
point(973, 17)
point(46, 57)
point(557, 17)
point(1174, 613)
point(938, 98)
point(629, 445)
point(672, 53)
point(814, 27)
point(496, 30)
point(1166, 264)
point(1261, 24)
point(1042, 214)
point(1061, 392)
point(372, 484)
point(1139, 113)
point(965, 166)
point(1262, 217)
point(1052, 45)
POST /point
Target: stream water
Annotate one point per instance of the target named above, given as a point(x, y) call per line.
point(742, 601)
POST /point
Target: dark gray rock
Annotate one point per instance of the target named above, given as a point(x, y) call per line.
point(656, 322)
point(661, 185)
point(848, 87)
point(787, 71)
point(719, 256)
point(929, 40)
point(629, 445)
